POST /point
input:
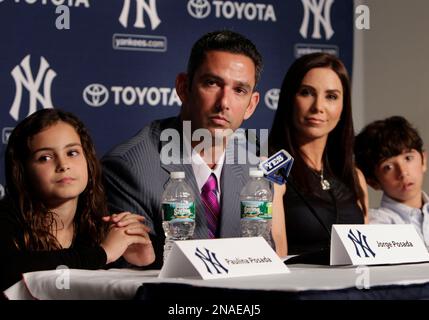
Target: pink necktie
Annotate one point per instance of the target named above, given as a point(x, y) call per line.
point(211, 204)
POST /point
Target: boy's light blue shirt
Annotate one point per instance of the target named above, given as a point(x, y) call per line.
point(394, 212)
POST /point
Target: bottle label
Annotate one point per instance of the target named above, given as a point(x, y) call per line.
point(178, 211)
point(256, 210)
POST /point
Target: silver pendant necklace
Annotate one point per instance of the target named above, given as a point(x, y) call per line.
point(324, 182)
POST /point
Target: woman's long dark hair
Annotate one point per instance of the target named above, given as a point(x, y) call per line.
point(338, 154)
point(36, 220)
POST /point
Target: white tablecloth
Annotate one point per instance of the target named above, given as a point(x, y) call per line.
point(123, 283)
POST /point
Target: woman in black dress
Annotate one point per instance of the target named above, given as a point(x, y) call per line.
point(314, 124)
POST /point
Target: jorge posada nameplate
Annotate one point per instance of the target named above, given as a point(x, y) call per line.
point(222, 258)
point(376, 244)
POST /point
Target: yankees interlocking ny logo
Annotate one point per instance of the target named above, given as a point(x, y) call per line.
point(321, 10)
point(360, 242)
point(141, 7)
point(210, 261)
point(24, 78)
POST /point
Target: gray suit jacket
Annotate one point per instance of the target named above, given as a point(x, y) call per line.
point(135, 179)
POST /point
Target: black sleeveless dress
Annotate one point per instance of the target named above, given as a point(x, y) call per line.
point(337, 205)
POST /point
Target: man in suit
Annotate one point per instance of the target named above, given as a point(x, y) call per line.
point(217, 94)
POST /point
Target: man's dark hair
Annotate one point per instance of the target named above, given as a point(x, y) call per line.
point(227, 41)
point(383, 139)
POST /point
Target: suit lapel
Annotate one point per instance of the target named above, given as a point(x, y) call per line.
point(233, 180)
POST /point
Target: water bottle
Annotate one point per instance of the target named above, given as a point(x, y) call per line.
point(178, 211)
point(256, 201)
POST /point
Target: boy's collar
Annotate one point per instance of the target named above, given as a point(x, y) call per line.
point(425, 198)
point(394, 205)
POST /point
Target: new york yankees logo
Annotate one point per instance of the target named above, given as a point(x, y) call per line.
point(141, 8)
point(321, 10)
point(24, 78)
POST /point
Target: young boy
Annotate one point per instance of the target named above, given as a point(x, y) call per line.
point(390, 154)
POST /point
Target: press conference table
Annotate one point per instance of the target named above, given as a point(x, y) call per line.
point(406, 281)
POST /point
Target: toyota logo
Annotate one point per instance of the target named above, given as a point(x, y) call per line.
point(272, 98)
point(95, 95)
point(199, 9)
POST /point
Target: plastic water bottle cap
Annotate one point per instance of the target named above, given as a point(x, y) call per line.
point(177, 175)
point(256, 173)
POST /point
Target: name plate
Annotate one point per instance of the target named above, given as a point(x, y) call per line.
point(359, 244)
point(222, 258)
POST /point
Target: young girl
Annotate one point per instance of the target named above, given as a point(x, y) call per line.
point(54, 207)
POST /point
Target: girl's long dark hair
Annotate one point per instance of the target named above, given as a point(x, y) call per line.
point(338, 155)
point(36, 220)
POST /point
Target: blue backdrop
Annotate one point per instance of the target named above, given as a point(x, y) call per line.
point(115, 66)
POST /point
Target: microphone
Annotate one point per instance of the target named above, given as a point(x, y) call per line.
point(276, 169)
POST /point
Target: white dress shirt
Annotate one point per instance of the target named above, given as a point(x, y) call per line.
point(394, 212)
point(202, 171)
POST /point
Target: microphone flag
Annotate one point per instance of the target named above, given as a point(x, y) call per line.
point(277, 167)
